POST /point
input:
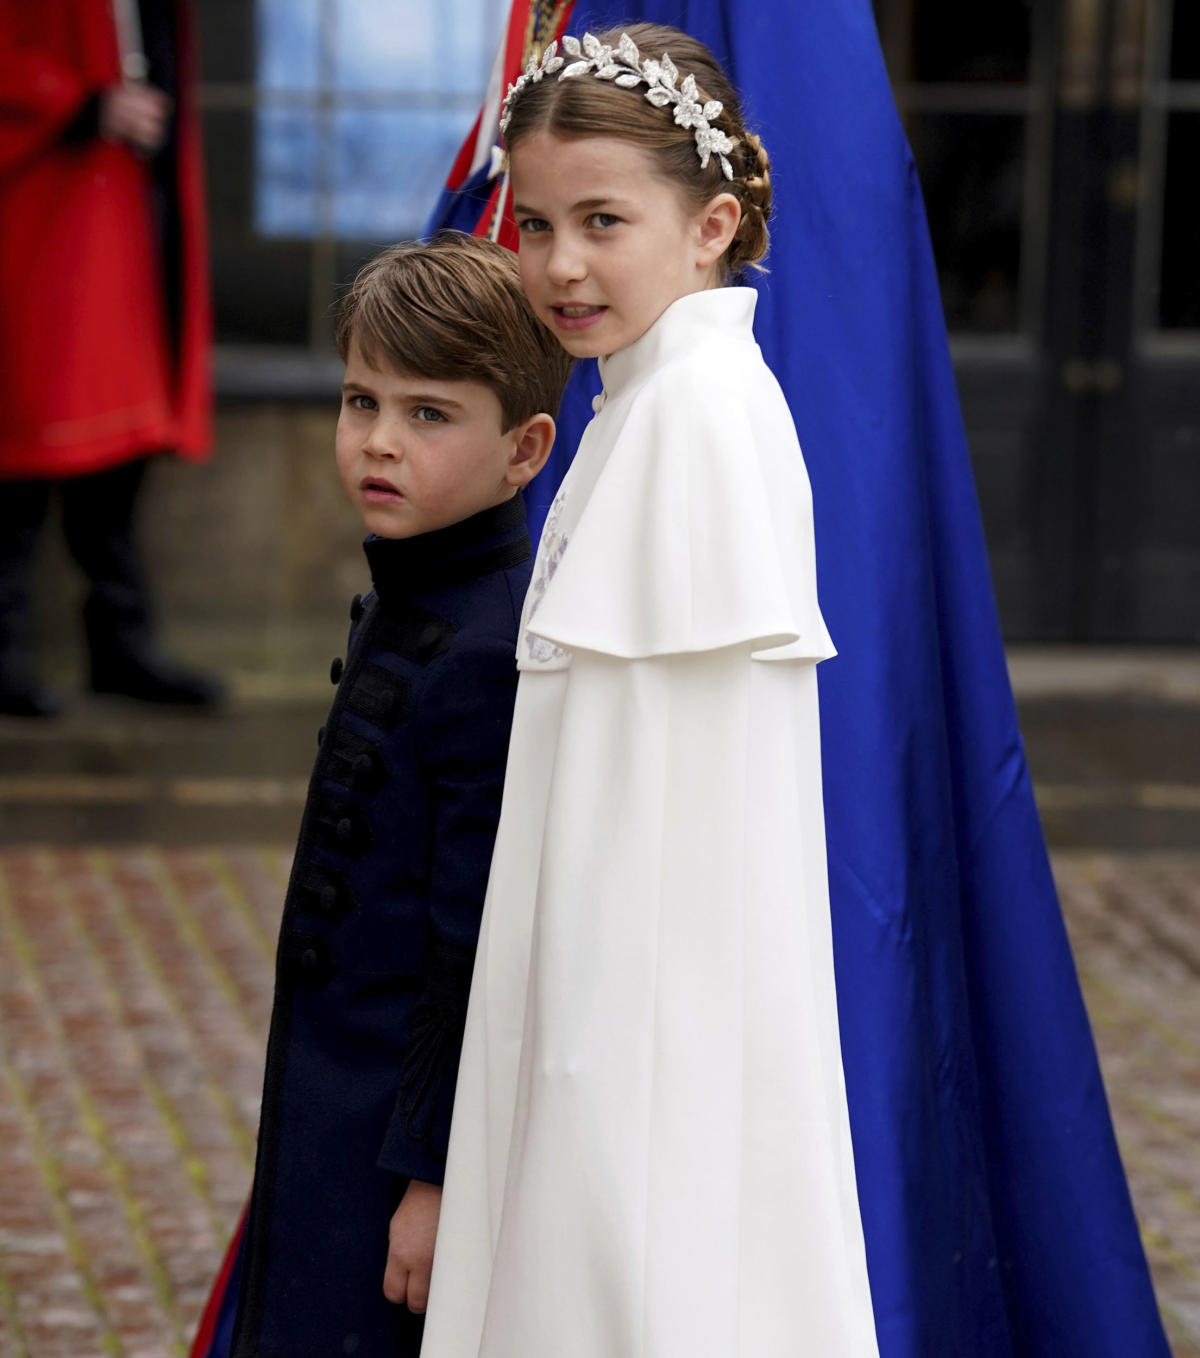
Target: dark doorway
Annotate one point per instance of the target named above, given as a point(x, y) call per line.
point(1056, 141)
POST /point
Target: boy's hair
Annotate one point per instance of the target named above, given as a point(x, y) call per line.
point(452, 309)
point(584, 106)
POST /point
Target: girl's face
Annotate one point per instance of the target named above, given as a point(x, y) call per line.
point(606, 243)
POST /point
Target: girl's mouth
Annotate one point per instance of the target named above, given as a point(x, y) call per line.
point(577, 317)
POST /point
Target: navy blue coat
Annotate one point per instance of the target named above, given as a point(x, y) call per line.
point(378, 937)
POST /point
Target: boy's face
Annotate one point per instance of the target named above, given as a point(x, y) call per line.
point(416, 454)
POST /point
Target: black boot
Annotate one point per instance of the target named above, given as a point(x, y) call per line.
point(124, 653)
point(22, 693)
point(126, 660)
point(22, 511)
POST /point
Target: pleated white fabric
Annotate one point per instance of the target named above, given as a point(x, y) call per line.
point(651, 1152)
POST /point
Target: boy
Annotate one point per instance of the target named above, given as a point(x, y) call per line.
point(446, 414)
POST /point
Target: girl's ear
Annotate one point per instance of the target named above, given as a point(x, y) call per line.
point(531, 446)
point(716, 223)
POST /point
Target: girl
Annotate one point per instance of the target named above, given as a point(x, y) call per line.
point(651, 1152)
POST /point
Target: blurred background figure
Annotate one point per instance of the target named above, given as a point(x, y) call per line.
point(104, 319)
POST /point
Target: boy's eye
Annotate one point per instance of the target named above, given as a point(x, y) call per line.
point(358, 401)
point(429, 415)
point(533, 226)
point(602, 220)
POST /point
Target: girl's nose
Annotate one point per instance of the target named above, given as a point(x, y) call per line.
point(565, 264)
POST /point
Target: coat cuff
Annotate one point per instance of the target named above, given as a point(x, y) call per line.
point(419, 1131)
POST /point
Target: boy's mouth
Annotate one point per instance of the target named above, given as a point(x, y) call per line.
point(378, 491)
point(577, 316)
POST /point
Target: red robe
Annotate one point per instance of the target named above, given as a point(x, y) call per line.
point(89, 374)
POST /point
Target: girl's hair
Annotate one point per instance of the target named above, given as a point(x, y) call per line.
point(584, 106)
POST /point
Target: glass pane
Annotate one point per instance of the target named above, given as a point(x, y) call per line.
point(287, 144)
point(972, 173)
point(953, 41)
point(389, 167)
point(260, 283)
point(408, 79)
point(442, 49)
point(1185, 41)
point(289, 44)
point(1179, 297)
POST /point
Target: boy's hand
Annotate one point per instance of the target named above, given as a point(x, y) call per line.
point(410, 1246)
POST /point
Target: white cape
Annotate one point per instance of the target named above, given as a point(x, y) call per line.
point(650, 1155)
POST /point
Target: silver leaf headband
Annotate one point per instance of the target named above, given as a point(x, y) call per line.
point(624, 66)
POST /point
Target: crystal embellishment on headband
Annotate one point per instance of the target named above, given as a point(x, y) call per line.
point(624, 66)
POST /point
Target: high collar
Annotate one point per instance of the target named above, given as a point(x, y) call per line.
point(491, 540)
point(697, 321)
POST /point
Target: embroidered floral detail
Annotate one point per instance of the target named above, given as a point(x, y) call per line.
point(553, 545)
point(542, 650)
point(430, 1062)
point(626, 67)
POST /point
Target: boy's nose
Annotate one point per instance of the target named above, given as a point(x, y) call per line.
point(382, 443)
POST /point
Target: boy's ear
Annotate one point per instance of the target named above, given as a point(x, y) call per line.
point(532, 442)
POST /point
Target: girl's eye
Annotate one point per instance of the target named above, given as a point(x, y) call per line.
point(602, 220)
point(429, 415)
point(533, 226)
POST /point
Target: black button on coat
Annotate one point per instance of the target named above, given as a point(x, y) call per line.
point(378, 937)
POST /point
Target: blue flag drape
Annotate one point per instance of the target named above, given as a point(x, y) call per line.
point(997, 1218)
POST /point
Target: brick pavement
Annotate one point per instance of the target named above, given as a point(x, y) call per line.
point(1135, 927)
point(134, 993)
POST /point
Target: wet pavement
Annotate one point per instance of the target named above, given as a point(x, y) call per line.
point(143, 858)
point(1113, 771)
